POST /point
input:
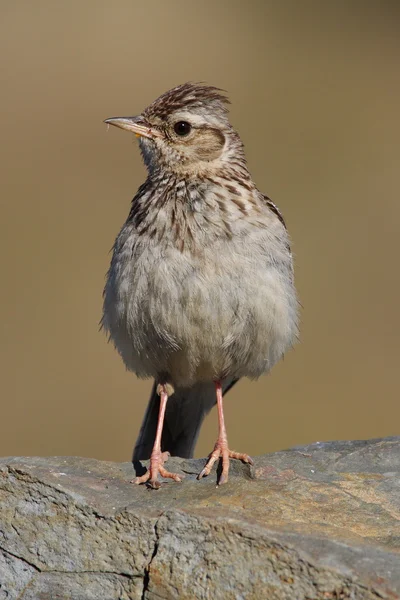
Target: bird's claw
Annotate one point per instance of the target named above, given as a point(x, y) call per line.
point(156, 468)
point(221, 451)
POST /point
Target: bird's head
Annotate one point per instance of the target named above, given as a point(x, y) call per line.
point(185, 131)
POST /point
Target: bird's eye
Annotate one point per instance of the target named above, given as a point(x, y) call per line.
point(182, 128)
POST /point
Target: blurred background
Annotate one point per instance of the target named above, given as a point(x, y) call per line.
point(315, 93)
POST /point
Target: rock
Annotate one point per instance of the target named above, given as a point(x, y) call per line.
point(312, 523)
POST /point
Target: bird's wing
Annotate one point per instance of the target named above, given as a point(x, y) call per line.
point(273, 207)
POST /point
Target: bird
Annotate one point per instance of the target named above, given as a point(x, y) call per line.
point(200, 291)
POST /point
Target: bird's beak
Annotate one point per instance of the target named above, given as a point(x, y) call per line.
point(138, 125)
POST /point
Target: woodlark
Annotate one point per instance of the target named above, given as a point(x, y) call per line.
point(200, 290)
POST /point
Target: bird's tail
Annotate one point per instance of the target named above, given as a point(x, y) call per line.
point(185, 413)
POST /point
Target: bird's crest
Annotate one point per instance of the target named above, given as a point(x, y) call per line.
point(186, 96)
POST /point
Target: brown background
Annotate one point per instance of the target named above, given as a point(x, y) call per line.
point(315, 88)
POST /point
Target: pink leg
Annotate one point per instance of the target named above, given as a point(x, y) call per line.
point(158, 458)
point(221, 449)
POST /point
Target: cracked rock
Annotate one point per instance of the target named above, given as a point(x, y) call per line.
point(313, 523)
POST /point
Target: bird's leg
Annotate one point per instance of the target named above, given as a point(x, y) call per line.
point(158, 458)
point(221, 449)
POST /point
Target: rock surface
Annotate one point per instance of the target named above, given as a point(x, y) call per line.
point(312, 523)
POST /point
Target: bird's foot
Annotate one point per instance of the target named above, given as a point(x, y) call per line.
point(156, 468)
point(222, 451)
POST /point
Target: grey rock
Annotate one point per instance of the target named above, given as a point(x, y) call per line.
point(316, 522)
point(83, 586)
point(15, 574)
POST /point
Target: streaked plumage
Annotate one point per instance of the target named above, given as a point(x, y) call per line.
point(200, 286)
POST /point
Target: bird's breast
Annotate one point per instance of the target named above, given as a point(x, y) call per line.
point(226, 307)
